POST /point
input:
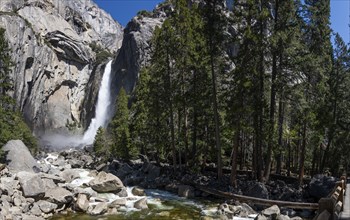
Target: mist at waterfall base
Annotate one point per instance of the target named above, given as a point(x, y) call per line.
point(102, 116)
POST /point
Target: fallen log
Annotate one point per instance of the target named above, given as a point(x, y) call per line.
point(259, 201)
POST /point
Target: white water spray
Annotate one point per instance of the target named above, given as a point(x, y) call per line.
point(101, 111)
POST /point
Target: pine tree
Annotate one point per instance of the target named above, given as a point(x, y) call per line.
point(120, 128)
point(6, 84)
point(100, 145)
point(317, 38)
point(337, 106)
point(140, 129)
point(284, 48)
point(215, 24)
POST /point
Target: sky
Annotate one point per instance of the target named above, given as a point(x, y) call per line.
point(124, 10)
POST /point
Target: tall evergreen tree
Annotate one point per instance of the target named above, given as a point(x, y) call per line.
point(317, 38)
point(140, 131)
point(215, 24)
point(6, 84)
point(120, 128)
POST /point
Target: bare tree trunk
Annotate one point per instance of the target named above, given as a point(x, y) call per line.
point(280, 134)
point(172, 126)
point(234, 158)
point(216, 119)
point(302, 153)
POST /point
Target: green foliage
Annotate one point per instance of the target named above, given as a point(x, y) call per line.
point(120, 129)
point(144, 13)
point(6, 64)
point(101, 54)
point(101, 144)
point(140, 114)
point(13, 127)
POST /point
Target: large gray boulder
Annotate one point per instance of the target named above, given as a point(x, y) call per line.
point(258, 190)
point(31, 184)
point(46, 207)
point(59, 196)
point(106, 182)
point(18, 158)
point(141, 204)
point(321, 185)
point(82, 203)
point(99, 209)
point(272, 212)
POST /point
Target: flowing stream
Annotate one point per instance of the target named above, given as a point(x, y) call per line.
point(103, 104)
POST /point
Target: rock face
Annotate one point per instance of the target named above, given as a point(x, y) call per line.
point(134, 53)
point(55, 47)
point(25, 162)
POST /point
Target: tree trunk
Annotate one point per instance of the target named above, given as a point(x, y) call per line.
point(172, 126)
point(280, 134)
point(272, 107)
point(234, 157)
point(216, 119)
point(302, 153)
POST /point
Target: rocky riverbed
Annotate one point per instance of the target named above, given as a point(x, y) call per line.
point(73, 182)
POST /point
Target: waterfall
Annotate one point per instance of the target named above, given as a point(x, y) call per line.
point(101, 111)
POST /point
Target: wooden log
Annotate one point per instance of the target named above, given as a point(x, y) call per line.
point(264, 202)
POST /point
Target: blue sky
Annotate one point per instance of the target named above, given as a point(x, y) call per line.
point(124, 10)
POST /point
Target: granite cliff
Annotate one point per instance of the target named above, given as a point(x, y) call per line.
point(57, 47)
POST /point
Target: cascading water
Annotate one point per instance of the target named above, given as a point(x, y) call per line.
point(101, 111)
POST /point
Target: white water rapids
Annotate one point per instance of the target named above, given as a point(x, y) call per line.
point(103, 104)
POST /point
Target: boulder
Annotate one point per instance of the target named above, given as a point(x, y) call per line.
point(246, 210)
point(272, 212)
point(7, 185)
point(137, 191)
point(32, 185)
point(152, 171)
point(185, 191)
point(124, 170)
point(141, 204)
point(59, 196)
point(49, 184)
point(87, 191)
point(35, 210)
point(99, 209)
point(283, 217)
point(46, 207)
point(118, 202)
point(82, 203)
point(225, 210)
point(106, 182)
point(70, 174)
point(16, 163)
point(258, 190)
point(30, 217)
point(320, 186)
point(123, 192)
